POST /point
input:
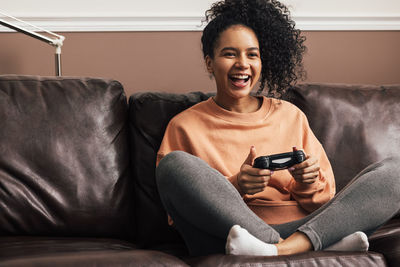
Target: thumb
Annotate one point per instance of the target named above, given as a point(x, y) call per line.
point(252, 155)
point(296, 149)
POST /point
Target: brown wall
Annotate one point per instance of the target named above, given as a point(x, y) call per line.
point(172, 61)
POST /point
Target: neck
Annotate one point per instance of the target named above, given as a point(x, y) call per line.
point(242, 105)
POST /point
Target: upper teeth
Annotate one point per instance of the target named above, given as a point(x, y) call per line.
point(239, 76)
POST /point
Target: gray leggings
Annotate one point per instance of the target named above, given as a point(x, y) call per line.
point(205, 205)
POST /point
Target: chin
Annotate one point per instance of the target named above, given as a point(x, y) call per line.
point(235, 92)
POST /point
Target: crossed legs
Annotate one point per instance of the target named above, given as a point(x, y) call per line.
point(205, 206)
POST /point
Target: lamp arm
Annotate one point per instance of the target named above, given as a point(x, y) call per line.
point(57, 41)
point(24, 31)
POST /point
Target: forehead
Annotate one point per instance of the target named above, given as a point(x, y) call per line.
point(237, 36)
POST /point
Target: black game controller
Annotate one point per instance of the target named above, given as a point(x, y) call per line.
point(279, 161)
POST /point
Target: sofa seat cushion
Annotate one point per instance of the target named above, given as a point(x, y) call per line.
point(49, 251)
point(309, 259)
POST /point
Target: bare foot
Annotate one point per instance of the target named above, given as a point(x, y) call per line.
point(296, 243)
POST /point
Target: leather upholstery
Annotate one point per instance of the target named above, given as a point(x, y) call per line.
point(77, 180)
point(309, 259)
point(53, 251)
point(357, 125)
point(386, 240)
point(149, 114)
point(335, 113)
point(64, 162)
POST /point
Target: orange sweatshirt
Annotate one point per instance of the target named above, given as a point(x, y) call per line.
point(223, 139)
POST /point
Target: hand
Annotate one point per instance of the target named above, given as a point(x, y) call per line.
point(306, 172)
point(252, 180)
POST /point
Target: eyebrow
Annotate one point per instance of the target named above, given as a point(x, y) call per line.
point(235, 49)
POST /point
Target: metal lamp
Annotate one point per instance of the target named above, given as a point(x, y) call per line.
point(56, 40)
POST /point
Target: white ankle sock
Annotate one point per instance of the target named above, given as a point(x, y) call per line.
point(357, 241)
point(241, 242)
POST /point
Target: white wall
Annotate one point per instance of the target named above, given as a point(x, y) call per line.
point(121, 15)
point(190, 7)
point(344, 7)
point(105, 7)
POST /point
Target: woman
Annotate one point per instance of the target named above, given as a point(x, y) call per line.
point(215, 197)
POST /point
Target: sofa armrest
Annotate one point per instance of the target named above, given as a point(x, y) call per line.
point(386, 240)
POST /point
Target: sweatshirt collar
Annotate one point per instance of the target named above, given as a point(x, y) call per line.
point(243, 118)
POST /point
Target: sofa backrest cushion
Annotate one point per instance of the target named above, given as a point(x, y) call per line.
point(149, 114)
point(64, 157)
point(356, 124)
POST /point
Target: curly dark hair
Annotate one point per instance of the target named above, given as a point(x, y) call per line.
point(281, 45)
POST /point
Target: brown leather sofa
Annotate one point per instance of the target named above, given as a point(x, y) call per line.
point(77, 167)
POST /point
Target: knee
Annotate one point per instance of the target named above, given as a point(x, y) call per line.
point(393, 161)
point(168, 167)
point(173, 160)
point(392, 165)
point(391, 175)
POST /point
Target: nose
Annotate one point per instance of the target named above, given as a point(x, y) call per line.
point(242, 62)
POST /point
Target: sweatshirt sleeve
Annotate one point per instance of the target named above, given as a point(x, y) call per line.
point(312, 196)
point(175, 138)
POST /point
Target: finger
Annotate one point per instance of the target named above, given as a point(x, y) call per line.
point(251, 156)
point(310, 169)
point(246, 186)
point(307, 178)
point(251, 186)
point(245, 178)
point(307, 163)
point(309, 181)
point(255, 171)
point(296, 149)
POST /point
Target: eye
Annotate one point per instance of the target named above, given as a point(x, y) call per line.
point(253, 55)
point(229, 54)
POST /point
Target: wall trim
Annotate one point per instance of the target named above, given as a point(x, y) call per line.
point(355, 23)
point(193, 23)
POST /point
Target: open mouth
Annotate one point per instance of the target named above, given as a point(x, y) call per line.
point(240, 80)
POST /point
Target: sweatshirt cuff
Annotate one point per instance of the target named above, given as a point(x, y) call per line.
point(304, 187)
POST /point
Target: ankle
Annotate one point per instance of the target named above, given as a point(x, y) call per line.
point(282, 249)
point(285, 248)
point(296, 243)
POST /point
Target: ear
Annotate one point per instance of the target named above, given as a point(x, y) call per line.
point(209, 64)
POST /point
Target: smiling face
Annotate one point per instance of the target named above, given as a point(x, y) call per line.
point(236, 65)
